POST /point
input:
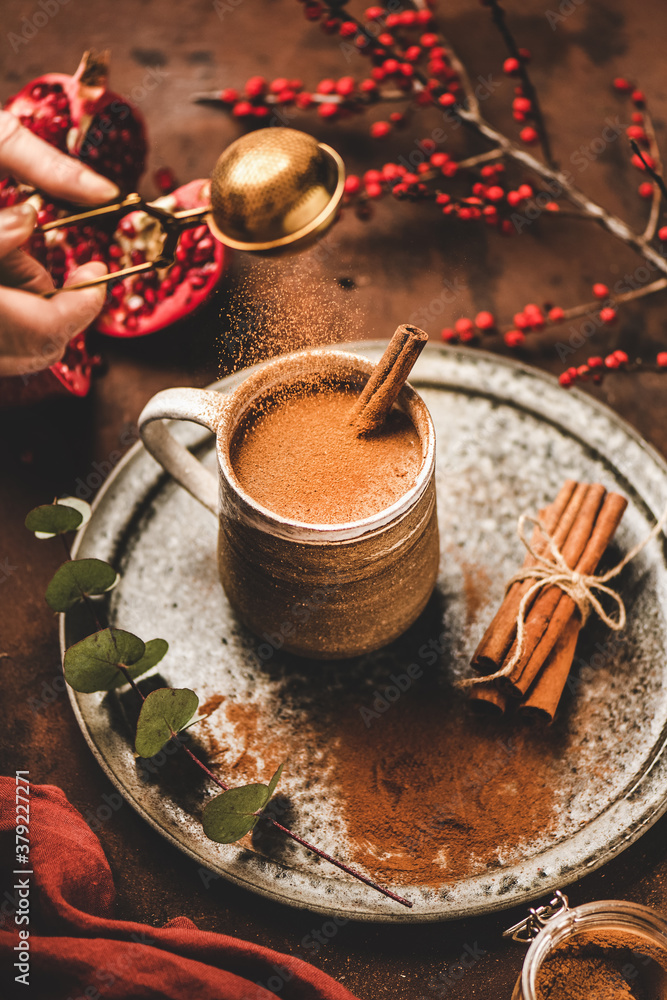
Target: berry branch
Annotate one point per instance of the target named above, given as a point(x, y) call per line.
point(411, 62)
point(516, 64)
point(111, 657)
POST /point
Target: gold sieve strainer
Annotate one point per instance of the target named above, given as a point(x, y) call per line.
point(271, 189)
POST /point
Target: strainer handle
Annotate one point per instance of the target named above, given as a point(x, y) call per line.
point(200, 406)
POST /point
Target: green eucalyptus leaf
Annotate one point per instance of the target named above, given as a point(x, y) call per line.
point(275, 779)
point(53, 519)
point(163, 714)
point(77, 578)
point(155, 650)
point(229, 816)
point(91, 664)
point(83, 508)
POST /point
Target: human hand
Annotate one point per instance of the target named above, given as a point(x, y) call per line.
point(34, 332)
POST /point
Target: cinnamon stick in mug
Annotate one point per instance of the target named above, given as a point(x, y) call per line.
point(388, 378)
point(557, 519)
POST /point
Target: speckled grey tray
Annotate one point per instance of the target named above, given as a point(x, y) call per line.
point(507, 438)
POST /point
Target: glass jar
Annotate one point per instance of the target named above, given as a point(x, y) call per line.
point(618, 923)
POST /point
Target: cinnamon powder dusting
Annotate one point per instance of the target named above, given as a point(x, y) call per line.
point(427, 793)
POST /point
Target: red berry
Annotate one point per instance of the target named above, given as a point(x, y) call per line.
point(379, 130)
point(513, 198)
point(645, 190)
point(636, 132)
point(347, 29)
point(446, 100)
point(391, 66)
point(607, 315)
point(514, 338)
point(556, 315)
point(621, 357)
point(521, 322)
point(229, 96)
point(522, 104)
point(611, 361)
point(595, 362)
point(374, 13)
point(464, 326)
point(407, 18)
point(368, 86)
point(525, 55)
point(637, 117)
point(495, 193)
point(552, 206)
point(638, 97)
point(328, 110)
point(565, 379)
point(528, 135)
point(448, 334)
point(511, 66)
point(600, 291)
point(352, 184)
point(313, 11)
point(662, 359)
point(412, 53)
point(304, 100)
point(378, 73)
point(442, 199)
point(374, 190)
point(428, 40)
point(278, 84)
point(525, 190)
point(345, 86)
point(242, 109)
point(642, 164)
point(485, 321)
point(256, 86)
point(622, 85)
point(583, 371)
point(450, 169)
point(662, 233)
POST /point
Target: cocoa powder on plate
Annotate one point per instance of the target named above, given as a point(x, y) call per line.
point(428, 794)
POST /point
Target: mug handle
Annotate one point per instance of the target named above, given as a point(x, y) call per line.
point(201, 406)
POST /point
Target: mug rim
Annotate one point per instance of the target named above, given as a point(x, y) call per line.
point(311, 531)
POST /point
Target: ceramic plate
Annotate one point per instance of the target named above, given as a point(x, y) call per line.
point(507, 438)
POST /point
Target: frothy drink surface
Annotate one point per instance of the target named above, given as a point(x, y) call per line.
point(298, 455)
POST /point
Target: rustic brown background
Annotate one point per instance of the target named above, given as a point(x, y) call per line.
point(398, 262)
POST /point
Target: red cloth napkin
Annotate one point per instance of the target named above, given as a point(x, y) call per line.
point(78, 951)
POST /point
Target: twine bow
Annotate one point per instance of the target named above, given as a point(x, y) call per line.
point(581, 587)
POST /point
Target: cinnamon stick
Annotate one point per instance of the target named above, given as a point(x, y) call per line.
point(488, 698)
point(541, 613)
point(558, 519)
point(388, 378)
point(542, 699)
point(565, 608)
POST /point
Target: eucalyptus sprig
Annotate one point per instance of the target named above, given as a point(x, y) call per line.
point(110, 657)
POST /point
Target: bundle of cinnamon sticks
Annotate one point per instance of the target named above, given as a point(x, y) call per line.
point(582, 521)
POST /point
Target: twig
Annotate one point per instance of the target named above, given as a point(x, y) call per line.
point(656, 201)
point(649, 169)
point(498, 15)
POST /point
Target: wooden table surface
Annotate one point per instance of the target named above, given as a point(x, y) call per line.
point(405, 263)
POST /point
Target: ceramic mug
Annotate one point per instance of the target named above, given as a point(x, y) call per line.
point(319, 590)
